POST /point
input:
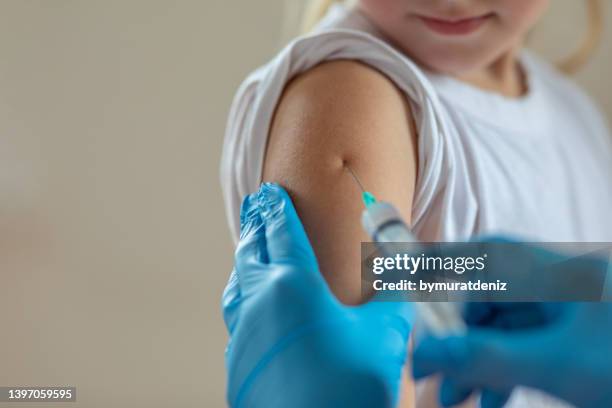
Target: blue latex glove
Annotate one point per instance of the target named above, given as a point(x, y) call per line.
point(522, 343)
point(562, 349)
point(292, 343)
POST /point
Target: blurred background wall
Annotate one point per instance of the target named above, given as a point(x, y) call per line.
point(113, 244)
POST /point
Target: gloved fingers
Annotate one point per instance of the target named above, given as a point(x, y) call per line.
point(248, 251)
point(494, 399)
point(250, 217)
point(507, 315)
point(451, 393)
point(478, 313)
point(525, 316)
point(230, 302)
point(505, 259)
point(483, 358)
point(516, 316)
point(251, 253)
point(286, 239)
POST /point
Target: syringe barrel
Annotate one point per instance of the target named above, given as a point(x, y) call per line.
point(383, 223)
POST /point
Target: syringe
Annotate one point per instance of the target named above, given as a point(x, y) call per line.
point(383, 223)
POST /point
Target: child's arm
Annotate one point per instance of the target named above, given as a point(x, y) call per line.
point(342, 112)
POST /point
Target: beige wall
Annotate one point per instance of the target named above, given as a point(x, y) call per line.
point(113, 243)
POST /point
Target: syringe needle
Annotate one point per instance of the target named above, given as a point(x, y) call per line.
point(363, 190)
point(367, 197)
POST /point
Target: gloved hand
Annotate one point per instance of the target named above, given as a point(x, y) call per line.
point(562, 349)
point(533, 272)
point(292, 343)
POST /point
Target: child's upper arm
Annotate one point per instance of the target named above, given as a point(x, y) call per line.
point(342, 112)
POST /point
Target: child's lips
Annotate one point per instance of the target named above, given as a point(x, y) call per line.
point(461, 26)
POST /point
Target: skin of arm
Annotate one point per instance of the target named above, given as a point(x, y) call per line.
point(342, 113)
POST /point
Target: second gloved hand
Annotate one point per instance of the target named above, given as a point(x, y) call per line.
point(292, 343)
point(562, 349)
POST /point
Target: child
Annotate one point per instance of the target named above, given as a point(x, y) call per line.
point(439, 110)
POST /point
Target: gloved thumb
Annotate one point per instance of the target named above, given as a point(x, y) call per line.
point(399, 314)
point(285, 236)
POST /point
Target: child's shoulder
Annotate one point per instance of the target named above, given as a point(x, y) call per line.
point(334, 54)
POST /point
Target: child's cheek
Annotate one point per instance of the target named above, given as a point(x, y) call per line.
point(521, 14)
point(384, 12)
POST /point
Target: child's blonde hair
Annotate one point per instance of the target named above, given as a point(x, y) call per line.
point(316, 9)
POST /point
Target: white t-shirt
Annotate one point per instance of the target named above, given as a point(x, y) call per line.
point(538, 167)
